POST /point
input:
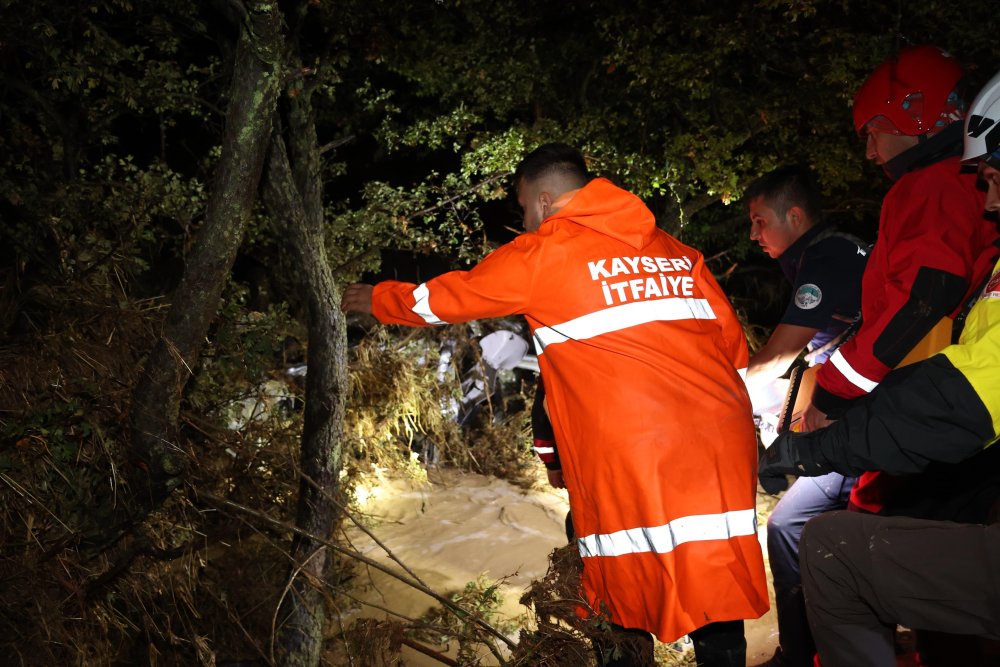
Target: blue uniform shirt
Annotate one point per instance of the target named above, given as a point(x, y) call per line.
point(824, 267)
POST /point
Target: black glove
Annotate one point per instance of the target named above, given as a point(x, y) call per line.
point(772, 483)
point(789, 454)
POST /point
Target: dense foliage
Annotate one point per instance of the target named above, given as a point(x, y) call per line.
point(113, 115)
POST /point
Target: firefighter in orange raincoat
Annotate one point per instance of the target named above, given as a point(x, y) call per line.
point(642, 357)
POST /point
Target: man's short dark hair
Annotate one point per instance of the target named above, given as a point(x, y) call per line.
point(785, 187)
point(549, 158)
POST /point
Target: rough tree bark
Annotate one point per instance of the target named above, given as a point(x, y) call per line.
point(156, 400)
point(293, 193)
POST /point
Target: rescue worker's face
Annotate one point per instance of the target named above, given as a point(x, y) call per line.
point(992, 179)
point(883, 146)
point(534, 203)
point(774, 233)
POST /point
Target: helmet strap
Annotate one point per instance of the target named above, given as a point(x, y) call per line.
point(934, 148)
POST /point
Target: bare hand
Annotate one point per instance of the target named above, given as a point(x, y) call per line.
point(813, 419)
point(357, 299)
point(556, 479)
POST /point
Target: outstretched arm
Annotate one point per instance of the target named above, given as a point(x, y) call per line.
point(771, 361)
point(499, 285)
point(925, 413)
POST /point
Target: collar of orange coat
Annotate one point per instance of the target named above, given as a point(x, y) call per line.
point(604, 207)
point(563, 200)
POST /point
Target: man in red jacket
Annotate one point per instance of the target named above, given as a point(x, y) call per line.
point(934, 245)
point(642, 357)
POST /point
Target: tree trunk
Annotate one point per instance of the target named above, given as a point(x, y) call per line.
point(156, 401)
point(293, 192)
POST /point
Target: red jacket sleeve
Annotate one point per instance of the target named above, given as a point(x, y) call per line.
point(923, 263)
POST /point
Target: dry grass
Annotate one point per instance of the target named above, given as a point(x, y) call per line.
point(172, 589)
point(399, 410)
point(195, 583)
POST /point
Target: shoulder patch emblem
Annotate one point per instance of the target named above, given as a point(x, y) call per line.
point(808, 296)
point(992, 290)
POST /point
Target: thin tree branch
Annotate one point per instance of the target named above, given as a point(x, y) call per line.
point(284, 592)
point(458, 195)
point(448, 604)
point(363, 529)
point(336, 143)
point(440, 657)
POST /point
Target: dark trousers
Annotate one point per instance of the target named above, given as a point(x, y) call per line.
point(864, 574)
point(808, 497)
point(720, 644)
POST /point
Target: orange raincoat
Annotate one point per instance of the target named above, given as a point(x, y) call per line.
point(641, 352)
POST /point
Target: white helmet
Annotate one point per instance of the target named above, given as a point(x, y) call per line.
point(982, 125)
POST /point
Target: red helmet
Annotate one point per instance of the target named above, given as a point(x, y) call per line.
point(912, 94)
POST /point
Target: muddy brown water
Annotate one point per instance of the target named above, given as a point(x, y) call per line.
point(459, 526)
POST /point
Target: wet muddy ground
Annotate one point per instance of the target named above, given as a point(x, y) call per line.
point(460, 526)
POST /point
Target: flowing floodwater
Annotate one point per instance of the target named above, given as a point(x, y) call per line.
point(459, 526)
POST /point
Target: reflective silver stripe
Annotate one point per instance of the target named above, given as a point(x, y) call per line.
point(664, 539)
point(423, 305)
point(545, 450)
point(854, 377)
point(622, 317)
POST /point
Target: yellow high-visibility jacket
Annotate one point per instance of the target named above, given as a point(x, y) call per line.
point(977, 355)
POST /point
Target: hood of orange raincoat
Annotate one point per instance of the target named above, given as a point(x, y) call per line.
point(604, 207)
